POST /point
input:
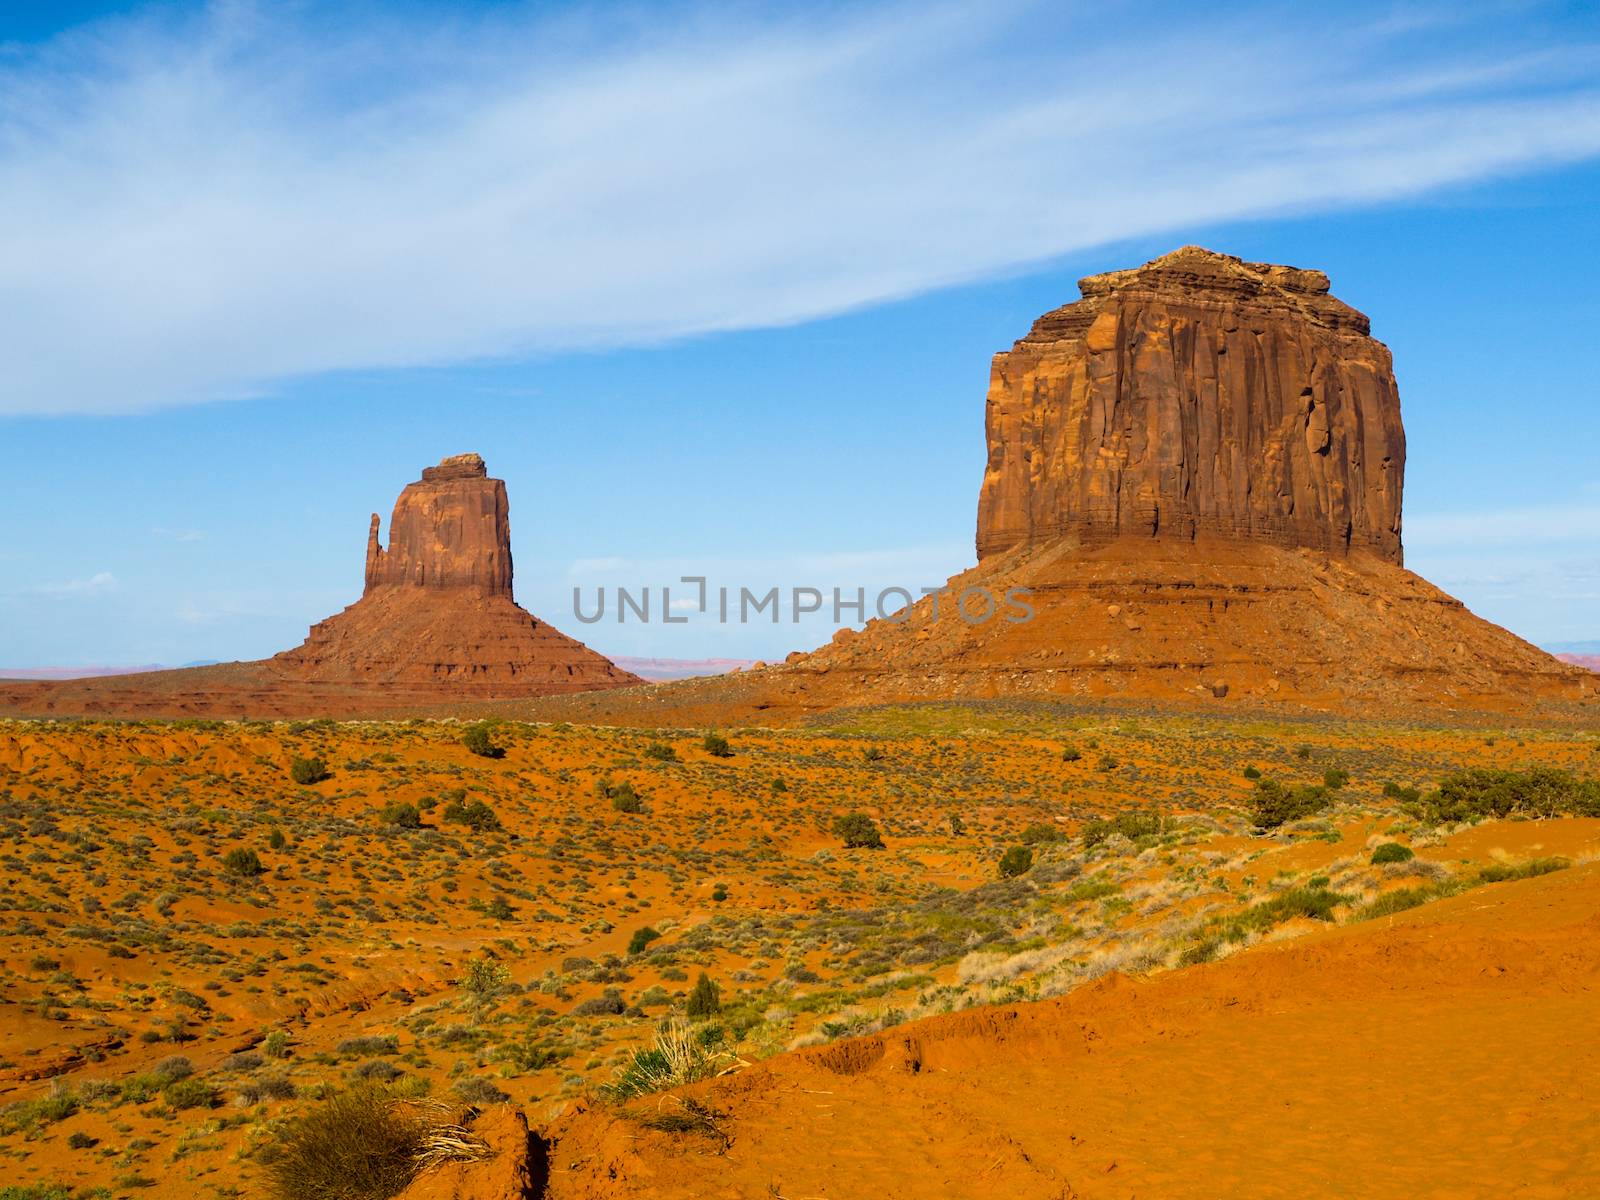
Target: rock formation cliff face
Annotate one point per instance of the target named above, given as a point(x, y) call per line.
point(437, 612)
point(450, 529)
point(1196, 395)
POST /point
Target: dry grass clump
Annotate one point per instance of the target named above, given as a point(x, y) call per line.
point(679, 1055)
point(364, 1144)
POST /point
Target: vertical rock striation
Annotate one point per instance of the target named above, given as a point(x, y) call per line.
point(450, 529)
point(1196, 395)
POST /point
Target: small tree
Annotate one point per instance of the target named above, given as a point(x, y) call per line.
point(1016, 861)
point(705, 1000)
point(484, 981)
point(477, 741)
point(242, 863)
point(858, 830)
point(641, 938)
point(306, 771)
point(717, 746)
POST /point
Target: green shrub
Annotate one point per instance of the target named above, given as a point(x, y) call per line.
point(243, 863)
point(661, 752)
point(276, 840)
point(858, 830)
point(717, 746)
point(402, 815)
point(1335, 778)
point(624, 796)
point(1275, 804)
point(1393, 791)
point(1016, 861)
point(1252, 772)
point(1038, 834)
point(640, 939)
point(306, 771)
point(1391, 852)
point(958, 827)
point(1302, 752)
point(45, 1110)
point(1132, 825)
point(678, 1056)
point(705, 999)
point(1481, 793)
point(1317, 904)
point(719, 893)
point(276, 1045)
point(1071, 754)
point(356, 1145)
point(873, 754)
point(1503, 872)
point(474, 814)
point(478, 741)
point(190, 1093)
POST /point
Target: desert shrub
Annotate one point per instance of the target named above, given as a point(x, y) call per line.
point(379, 1070)
point(474, 814)
point(36, 1191)
point(478, 741)
point(190, 1093)
point(624, 796)
point(1131, 825)
point(402, 816)
point(306, 771)
point(1394, 791)
point(1502, 872)
point(873, 754)
point(661, 752)
point(1275, 804)
point(276, 840)
point(705, 999)
point(1016, 861)
point(717, 746)
point(608, 1004)
point(1302, 752)
point(82, 1141)
point(679, 1055)
point(276, 1045)
point(356, 1145)
point(45, 1110)
point(1252, 772)
point(641, 938)
point(243, 863)
point(1399, 901)
point(268, 1087)
point(1042, 832)
point(1484, 792)
point(1071, 754)
point(176, 1066)
point(720, 892)
point(1335, 778)
point(859, 831)
point(480, 1091)
point(1391, 852)
point(958, 827)
point(484, 981)
point(364, 1047)
point(1317, 904)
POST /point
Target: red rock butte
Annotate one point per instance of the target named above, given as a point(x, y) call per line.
point(1196, 472)
point(436, 627)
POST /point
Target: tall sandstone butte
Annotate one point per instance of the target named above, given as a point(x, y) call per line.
point(437, 613)
point(1196, 395)
point(1195, 473)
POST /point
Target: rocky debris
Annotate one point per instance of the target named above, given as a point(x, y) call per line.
point(1196, 395)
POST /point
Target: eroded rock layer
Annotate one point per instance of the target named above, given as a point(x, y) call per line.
point(1197, 394)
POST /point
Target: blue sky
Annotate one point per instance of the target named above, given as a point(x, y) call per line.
point(715, 290)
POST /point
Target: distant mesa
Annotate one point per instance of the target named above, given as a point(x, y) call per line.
point(1197, 395)
point(1196, 471)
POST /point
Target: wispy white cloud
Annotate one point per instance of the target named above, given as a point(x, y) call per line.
point(198, 208)
point(103, 581)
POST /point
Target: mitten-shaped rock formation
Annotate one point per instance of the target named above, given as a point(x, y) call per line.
point(1196, 395)
point(450, 529)
point(437, 611)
